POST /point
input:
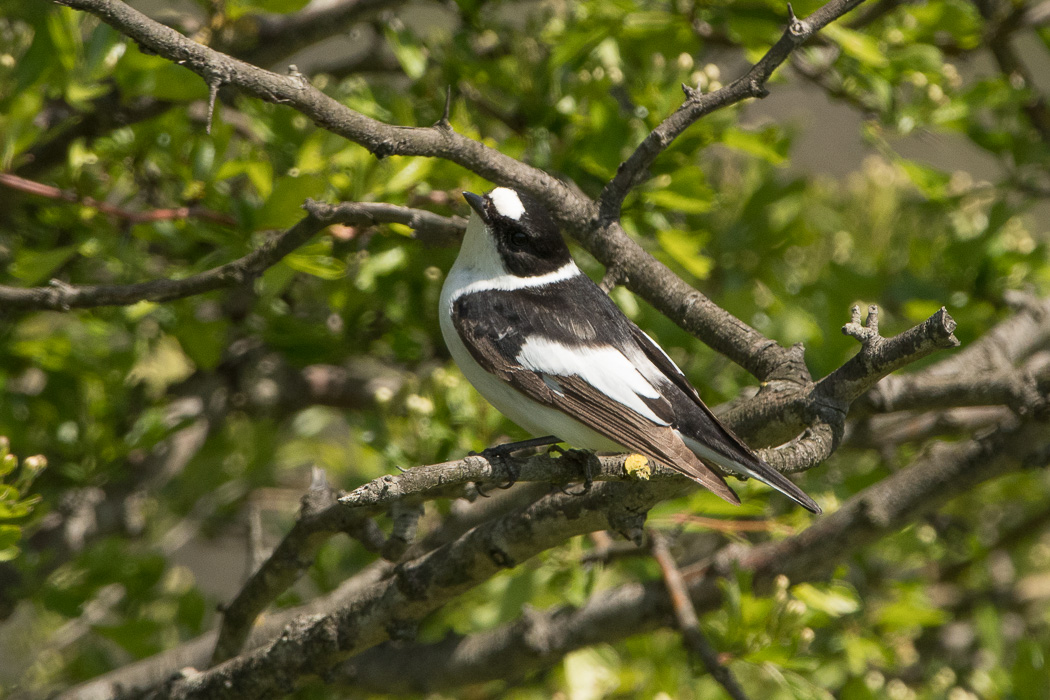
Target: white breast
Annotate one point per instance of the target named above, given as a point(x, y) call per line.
point(476, 270)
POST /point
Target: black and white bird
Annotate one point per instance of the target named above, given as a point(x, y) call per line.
point(544, 345)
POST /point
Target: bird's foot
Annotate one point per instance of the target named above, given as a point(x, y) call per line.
point(499, 453)
point(586, 460)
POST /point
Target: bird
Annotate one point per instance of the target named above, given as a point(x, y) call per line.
point(542, 343)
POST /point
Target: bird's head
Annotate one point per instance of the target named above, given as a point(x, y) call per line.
point(518, 229)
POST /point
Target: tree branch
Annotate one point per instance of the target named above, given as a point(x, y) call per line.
point(29, 186)
point(1023, 389)
point(294, 90)
point(688, 622)
point(390, 608)
point(697, 105)
point(880, 356)
point(63, 296)
point(541, 639)
point(609, 243)
point(424, 483)
point(321, 516)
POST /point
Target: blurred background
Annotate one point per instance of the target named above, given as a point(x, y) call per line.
point(899, 159)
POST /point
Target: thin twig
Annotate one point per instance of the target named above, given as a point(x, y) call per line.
point(63, 296)
point(136, 217)
point(697, 105)
point(688, 622)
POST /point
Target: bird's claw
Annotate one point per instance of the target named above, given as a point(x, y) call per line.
point(586, 459)
point(499, 453)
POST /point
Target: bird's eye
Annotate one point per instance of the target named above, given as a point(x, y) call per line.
point(518, 240)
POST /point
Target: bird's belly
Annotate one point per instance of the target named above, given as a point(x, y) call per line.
point(532, 416)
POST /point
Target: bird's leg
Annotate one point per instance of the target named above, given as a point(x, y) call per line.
point(585, 458)
point(501, 452)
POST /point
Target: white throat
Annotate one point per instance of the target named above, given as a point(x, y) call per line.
point(479, 267)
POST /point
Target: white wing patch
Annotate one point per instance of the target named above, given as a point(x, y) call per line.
point(605, 368)
point(507, 202)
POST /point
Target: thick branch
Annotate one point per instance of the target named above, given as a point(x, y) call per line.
point(320, 518)
point(389, 608)
point(540, 639)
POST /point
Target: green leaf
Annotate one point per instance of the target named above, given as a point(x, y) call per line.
point(678, 202)
point(409, 53)
point(315, 263)
point(284, 207)
point(9, 535)
point(1031, 671)
point(685, 250)
point(277, 6)
point(763, 144)
point(8, 463)
point(35, 266)
point(835, 600)
point(862, 47)
point(414, 171)
point(933, 183)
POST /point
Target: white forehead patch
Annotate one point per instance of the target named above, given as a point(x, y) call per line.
point(507, 203)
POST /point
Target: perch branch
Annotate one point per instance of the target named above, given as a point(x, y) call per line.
point(541, 639)
point(312, 645)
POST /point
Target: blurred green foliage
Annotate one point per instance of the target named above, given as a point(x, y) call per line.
point(15, 502)
point(571, 88)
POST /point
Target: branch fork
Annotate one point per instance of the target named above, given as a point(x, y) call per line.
point(868, 334)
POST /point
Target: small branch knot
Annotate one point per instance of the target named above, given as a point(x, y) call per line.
point(443, 123)
point(302, 82)
point(796, 26)
point(868, 334)
point(757, 88)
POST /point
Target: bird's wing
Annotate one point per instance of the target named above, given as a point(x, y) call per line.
point(710, 436)
point(573, 362)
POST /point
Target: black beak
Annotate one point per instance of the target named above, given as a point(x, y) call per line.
point(477, 203)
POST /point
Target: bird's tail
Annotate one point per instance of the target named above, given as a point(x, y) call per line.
point(749, 464)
